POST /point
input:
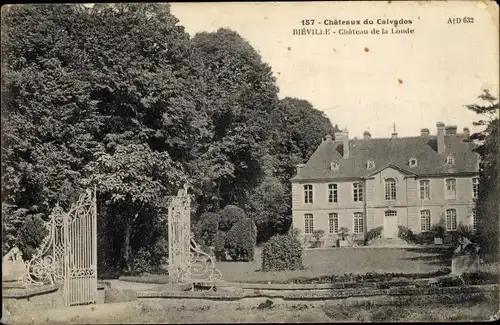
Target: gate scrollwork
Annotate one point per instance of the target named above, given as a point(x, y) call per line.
point(46, 267)
point(187, 261)
point(68, 254)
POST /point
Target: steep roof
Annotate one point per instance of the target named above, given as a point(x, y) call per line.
point(395, 152)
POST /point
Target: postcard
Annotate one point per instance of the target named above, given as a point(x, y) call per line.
point(235, 162)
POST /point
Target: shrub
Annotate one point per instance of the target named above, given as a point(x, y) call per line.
point(373, 234)
point(439, 228)
point(31, 236)
point(206, 228)
point(426, 237)
point(318, 235)
point(230, 215)
point(343, 233)
point(149, 259)
point(465, 231)
point(406, 234)
point(241, 240)
point(142, 262)
point(295, 232)
point(282, 252)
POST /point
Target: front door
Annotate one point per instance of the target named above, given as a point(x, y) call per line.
point(390, 224)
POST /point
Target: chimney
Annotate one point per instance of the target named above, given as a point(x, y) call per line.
point(328, 138)
point(451, 129)
point(440, 137)
point(343, 137)
point(299, 167)
point(367, 135)
point(424, 132)
point(394, 135)
point(466, 132)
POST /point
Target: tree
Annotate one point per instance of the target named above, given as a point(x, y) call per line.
point(206, 228)
point(487, 203)
point(241, 92)
point(269, 208)
point(241, 240)
point(136, 180)
point(299, 130)
point(106, 81)
point(230, 215)
point(48, 118)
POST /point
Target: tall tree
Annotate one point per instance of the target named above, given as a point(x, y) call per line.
point(48, 118)
point(241, 93)
point(299, 129)
point(487, 203)
point(104, 81)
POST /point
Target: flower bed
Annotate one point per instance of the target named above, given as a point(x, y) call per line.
point(440, 278)
point(370, 277)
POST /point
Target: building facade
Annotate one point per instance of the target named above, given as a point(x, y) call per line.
point(360, 184)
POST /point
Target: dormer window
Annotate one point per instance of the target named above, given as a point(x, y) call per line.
point(450, 160)
point(413, 162)
point(334, 165)
point(370, 164)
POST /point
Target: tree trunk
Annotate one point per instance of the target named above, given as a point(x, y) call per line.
point(126, 245)
point(217, 194)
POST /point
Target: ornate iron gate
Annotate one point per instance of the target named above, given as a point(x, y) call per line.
point(80, 281)
point(68, 254)
point(187, 262)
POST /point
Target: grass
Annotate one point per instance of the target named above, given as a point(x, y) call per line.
point(324, 262)
point(467, 311)
point(327, 262)
point(267, 312)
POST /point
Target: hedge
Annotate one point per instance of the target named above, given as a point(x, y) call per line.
point(241, 240)
point(206, 228)
point(229, 216)
point(282, 252)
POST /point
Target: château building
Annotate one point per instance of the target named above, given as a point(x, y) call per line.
point(366, 183)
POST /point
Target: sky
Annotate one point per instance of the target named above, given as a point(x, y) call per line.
point(370, 82)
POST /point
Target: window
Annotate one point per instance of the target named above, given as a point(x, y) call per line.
point(370, 164)
point(334, 165)
point(450, 160)
point(474, 219)
point(390, 213)
point(451, 219)
point(390, 189)
point(308, 194)
point(425, 220)
point(357, 192)
point(308, 223)
point(333, 223)
point(413, 162)
point(332, 193)
point(475, 187)
point(358, 223)
point(451, 189)
point(425, 190)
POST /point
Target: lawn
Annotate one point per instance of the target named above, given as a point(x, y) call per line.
point(327, 262)
point(322, 262)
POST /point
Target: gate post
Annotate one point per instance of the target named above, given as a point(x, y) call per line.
point(187, 262)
